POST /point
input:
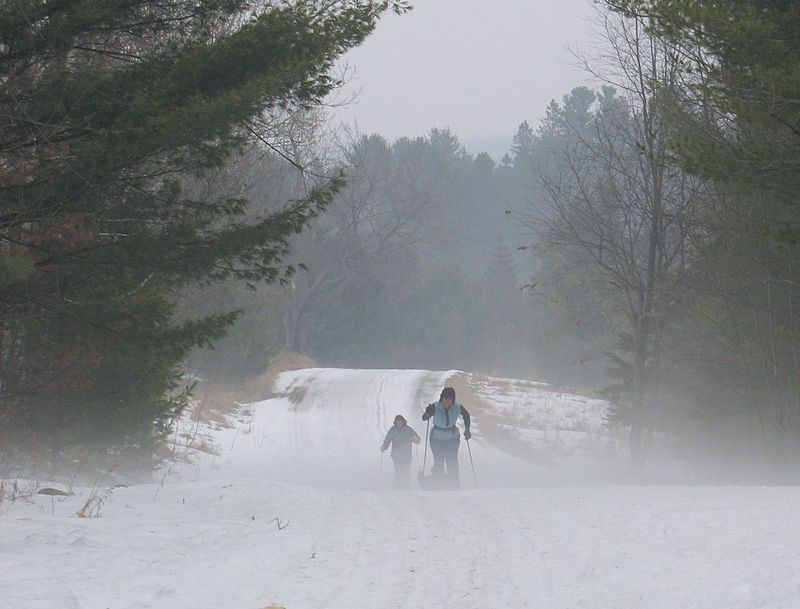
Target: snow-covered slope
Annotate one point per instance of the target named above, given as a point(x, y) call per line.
point(325, 426)
point(323, 429)
point(268, 520)
point(214, 545)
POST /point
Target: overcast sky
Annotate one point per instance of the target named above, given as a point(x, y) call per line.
point(480, 67)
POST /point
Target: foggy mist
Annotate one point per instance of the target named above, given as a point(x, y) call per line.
point(344, 305)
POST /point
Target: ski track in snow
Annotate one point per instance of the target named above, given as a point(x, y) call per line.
point(206, 538)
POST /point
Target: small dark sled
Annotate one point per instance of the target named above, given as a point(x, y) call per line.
point(436, 482)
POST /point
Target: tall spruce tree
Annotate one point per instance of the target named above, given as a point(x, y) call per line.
point(108, 108)
point(740, 103)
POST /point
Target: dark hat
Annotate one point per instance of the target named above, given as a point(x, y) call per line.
point(448, 392)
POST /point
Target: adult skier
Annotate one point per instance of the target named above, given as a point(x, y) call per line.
point(400, 436)
point(444, 436)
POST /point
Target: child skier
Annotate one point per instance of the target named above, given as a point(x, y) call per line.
point(400, 436)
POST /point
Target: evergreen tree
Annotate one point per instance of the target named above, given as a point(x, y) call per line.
point(522, 146)
point(738, 113)
point(734, 121)
point(108, 111)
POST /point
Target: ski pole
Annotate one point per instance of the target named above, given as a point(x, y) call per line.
point(472, 463)
point(380, 468)
point(425, 458)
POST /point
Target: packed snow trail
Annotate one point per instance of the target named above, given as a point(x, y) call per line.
point(270, 520)
point(327, 428)
point(212, 545)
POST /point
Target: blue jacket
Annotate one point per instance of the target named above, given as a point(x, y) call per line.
point(444, 421)
point(400, 438)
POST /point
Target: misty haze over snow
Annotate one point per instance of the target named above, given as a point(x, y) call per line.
point(340, 305)
point(290, 505)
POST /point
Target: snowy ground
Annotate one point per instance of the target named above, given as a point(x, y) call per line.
point(293, 512)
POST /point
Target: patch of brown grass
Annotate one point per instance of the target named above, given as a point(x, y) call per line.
point(215, 401)
point(296, 396)
point(261, 388)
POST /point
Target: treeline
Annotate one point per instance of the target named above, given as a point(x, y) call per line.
point(113, 116)
point(670, 197)
point(641, 239)
point(411, 265)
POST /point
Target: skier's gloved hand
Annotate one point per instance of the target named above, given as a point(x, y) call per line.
point(383, 449)
point(467, 434)
point(429, 412)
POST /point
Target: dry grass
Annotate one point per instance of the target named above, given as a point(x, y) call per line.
point(11, 491)
point(219, 404)
point(261, 388)
point(216, 401)
point(97, 496)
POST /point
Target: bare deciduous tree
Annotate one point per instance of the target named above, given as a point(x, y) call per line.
point(615, 201)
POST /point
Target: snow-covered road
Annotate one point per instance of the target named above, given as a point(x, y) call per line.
point(326, 428)
point(208, 538)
